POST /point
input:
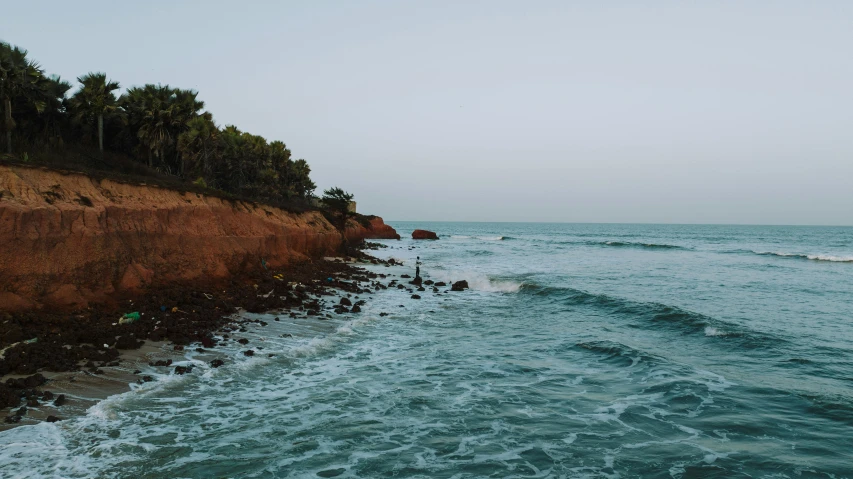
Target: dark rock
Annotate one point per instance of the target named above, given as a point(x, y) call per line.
point(424, 234)
point(147, 379)
point(356, 309)
point(136, 371)
point(53, 419)
point(47, 395)
point(29, 382)
point(428, 282)
point(421, 289)
point(60, 400)
point(459, 286)
point(33, 403)
point(440, 284)
point(248, 353)
point(128, 342)
point(183, 369)
point(405, 276)
point(243, 341)
point(216, 363)
point(345, 302)
point(415, 296)
point(13, 419)
point(21, 412)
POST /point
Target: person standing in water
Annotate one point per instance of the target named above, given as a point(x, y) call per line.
point(418, 268)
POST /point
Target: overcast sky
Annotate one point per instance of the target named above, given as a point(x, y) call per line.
point(670, 112)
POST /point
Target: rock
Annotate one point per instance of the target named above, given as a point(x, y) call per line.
point(421, 289)
point(248, 353)
point(183, 369)
point(243, 341)
point(383, 314)
point(424, 234)
point(33, 403)
point(13, 419)
point(60, 400)
point(128, 342)
point(216, 363)
point(147, 379)
point(415, 296)
point(428, 282)
point(459, 286)
point(356, 309)
point(29, 382)
point(53, 419)
point(345, 302)
point(440, 284)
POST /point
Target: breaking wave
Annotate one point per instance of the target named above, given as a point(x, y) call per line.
point(812, 257)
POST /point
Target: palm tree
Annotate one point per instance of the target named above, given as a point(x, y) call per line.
point(19, 79)
point(94, 99)
point(199, 144)
point(149, 115)
point(185, 108)
point(53, 116)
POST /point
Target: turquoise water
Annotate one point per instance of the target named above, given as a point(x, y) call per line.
point(581, 351)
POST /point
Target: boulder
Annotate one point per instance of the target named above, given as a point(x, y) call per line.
point(459, 286)
point(424, 234)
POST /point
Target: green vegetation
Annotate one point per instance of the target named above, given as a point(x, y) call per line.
point(152, 131)
point(337, 202)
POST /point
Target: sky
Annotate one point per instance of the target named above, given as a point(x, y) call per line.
point(564, 111)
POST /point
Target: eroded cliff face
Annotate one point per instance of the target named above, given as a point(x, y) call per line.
point(67, 239)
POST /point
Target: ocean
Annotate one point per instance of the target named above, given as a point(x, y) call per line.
point(581, 350)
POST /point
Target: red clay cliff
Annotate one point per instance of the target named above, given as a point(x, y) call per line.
point(67, 239)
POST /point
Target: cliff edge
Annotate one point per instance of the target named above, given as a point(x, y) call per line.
point(67, 239)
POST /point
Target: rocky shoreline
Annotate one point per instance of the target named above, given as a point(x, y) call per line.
point(196, 316)
point(54, 365)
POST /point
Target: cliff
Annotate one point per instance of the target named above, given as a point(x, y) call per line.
point(67, 239)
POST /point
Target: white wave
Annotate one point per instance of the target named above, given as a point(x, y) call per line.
point(813, 257)
point(477, 281)
point(712, 331)
point(826, 257)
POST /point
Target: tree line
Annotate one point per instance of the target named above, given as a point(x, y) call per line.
point(162, 127)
